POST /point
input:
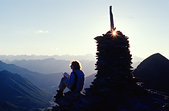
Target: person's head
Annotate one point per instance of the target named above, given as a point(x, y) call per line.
point(75, 65)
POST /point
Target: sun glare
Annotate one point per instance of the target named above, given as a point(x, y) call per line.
point(114, 33)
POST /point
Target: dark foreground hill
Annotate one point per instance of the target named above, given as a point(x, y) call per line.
point(154, 72)
point(19, 94)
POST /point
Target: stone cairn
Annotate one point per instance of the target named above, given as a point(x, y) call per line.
point(114, 85)
point(114, 88)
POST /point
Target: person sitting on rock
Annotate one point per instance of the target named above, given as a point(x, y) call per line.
point(74, 81)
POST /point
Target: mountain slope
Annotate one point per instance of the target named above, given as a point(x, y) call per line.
point(47, 82)
point(154, 72)
point(18, 94)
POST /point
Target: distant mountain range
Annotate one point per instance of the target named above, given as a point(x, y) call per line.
point(17, 86)
point(6, 58)
point(154, 72)
point(48, 82)
point(19, 94)
point(51, 65)
point(26, 86)
point(55, 64)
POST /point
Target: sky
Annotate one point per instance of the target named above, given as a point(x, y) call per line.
point(68, 27)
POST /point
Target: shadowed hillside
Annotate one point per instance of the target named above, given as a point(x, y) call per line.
point(19, 94)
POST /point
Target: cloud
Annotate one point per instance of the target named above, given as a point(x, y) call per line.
point(42, 32)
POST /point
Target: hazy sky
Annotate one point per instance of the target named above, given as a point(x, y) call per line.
point(59, 27)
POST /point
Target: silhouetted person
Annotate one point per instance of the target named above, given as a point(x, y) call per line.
point(74, 81)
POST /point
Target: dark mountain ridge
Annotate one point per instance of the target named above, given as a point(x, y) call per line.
point(19, 94)
point(154, 72)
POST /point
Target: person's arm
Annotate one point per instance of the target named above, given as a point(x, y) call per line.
point(70, 80)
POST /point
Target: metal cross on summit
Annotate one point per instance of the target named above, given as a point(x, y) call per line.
point(112, 28)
